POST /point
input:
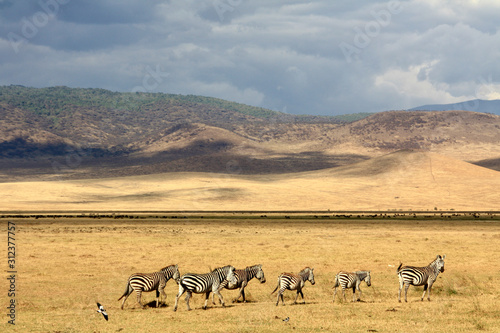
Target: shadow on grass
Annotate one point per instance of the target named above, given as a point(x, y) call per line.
point(301, 303)
point(217, 307)
point(152, 304)
point(243, 302)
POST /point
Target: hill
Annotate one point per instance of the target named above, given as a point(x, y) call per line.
point(67, 133)
point(408, 180)
point(476, 105)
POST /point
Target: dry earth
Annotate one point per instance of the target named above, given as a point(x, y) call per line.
point(405, 180)
point(65, 265)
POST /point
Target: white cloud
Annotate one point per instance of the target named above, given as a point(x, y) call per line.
point(415, 88)
point(266, 53)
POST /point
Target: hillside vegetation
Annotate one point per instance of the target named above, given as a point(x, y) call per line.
point(95, 133)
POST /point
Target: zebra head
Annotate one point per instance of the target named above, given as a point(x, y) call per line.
point(368, 279)
point(176, 276)
point(439, 263)
point(229, 271)
point(171, 272)
point(308, 274)
point(260, 274)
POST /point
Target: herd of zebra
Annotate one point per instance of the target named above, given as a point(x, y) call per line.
point(230, 278)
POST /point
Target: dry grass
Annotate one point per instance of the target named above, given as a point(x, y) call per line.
point(402, 180)
point(65, 265)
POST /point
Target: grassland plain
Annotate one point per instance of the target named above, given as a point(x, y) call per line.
point(66, 265)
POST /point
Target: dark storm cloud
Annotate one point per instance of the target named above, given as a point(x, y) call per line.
point(316, 57)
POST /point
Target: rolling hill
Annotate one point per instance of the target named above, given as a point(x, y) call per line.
point(94, 133)
point(91, 149)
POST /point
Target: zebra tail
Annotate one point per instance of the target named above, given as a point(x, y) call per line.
point(275, 288)
point(128, 290)
point(336, 284)
point(399, 267)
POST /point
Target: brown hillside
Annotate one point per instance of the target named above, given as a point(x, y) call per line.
point(170, 137)
point(183, 135)
point(439, 130)
point(24, 135)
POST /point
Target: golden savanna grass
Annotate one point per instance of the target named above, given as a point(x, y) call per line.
point(66, 265)
point(404, 180)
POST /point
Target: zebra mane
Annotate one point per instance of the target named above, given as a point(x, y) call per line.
point(438, 257)
point(305, 271)
point(248, 268)
point(164, 268)
point(221, 268)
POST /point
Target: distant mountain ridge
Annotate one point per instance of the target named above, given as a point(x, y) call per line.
point(475, 105)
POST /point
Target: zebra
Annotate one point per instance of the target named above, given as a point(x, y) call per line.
point(205, 284)
point(243, 276)
point(351, 280)
point(150, 281)
point(418, 276)
point(294, 282)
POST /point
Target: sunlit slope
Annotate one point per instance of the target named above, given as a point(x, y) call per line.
point(402, 180)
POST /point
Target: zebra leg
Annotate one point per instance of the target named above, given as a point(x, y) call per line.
point(181, 291)
point(221, 299)
point(123, 303)
point(162, 291)
point(207, 295)
point(299, 292)
point(280, 294)
point(241, 293)
point(334, 294)
point(400, 287)
point(343, 294)
point(213, 294)
point(188, 296)
point(139, 294)
point(354, 293)
point(425, 289)
point(128, 293)
point(406, 291)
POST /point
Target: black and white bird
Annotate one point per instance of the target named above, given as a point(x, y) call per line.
point(102, 310)
point(286, 319)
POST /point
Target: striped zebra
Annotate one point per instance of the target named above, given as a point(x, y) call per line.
point(150, 281)
point(347, 280)
point(243, 276)
point(294, 282)
point(418, 276)
point(204, 284)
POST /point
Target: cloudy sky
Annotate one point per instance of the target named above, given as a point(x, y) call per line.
point(322, 57)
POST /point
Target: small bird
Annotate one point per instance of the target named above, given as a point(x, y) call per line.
point(102, 310)
point(286, 319)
